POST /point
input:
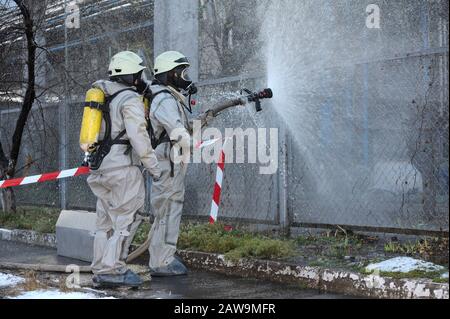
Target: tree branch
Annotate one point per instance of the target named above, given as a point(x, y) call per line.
point(30, 93)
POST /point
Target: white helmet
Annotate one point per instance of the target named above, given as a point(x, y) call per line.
point(125, 63)
point(168, 61)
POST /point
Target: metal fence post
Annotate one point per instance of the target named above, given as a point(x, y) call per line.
point(168, 35)
point(282, 183)
point(62, 127)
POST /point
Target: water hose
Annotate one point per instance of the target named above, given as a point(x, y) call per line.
point(141, 249)
point(41, 267)
point(225, 105)
point(251, 97)
point(213, 112)
point(255, 97)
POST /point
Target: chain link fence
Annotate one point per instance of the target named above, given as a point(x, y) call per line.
point(363, 131)
point(379, 158)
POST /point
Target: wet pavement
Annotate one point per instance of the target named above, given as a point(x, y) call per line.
point(197, 285)
point(23, 253)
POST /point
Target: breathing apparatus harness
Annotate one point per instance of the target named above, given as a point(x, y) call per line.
point(103, 147)
point(164, 137)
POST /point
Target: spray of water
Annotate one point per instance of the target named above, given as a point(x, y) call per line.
point(339, 108)
point(295, 54)
point(310, 55)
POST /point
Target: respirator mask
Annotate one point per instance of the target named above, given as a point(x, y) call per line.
point(182, 80)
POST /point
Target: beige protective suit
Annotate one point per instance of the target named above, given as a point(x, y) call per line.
point(119, 184)
point(167, 113)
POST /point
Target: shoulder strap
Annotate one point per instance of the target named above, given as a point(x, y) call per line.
point(110, 98)
point(162, 91)
point(104, 146)
point(164, 136)
point(158, 93)
point(107, 118)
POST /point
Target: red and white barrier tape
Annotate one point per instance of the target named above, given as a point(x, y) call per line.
point(218, 186)
point(203, 144)
point(68, 173)
point(44, 177)
point(85, 170)
point(217, 189)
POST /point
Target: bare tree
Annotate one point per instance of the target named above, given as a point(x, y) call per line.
point(231, 30)
point(21, 21)
point(38, 72)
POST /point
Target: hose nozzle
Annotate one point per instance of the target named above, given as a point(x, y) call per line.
point(258, 96)
point(265, 94)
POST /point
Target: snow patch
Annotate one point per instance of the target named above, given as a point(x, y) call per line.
point(404, 265)
point(7, 280)
point(445, 276)
point(56, 294)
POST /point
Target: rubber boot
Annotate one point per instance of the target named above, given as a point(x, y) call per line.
point(128, 279)
point(175, 268)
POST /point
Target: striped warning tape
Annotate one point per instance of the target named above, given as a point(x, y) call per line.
point(203, 144)
point(67, 173)
point(85, 170)
point(217, 189)
point(218, 186)
point(44, 177)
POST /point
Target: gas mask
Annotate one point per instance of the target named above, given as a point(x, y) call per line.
point(182, 80)
point(192, 89)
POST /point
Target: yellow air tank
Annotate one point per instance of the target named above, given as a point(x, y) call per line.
point(146, 107)
point(92, 119)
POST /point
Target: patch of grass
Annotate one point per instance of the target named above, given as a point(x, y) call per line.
point(235, 244)
point(440, 280)
point(142, 233)
point(32, 282)
point(328, 239)
point(263, 248)
point(432, 249)
point(319, 263)
point(40, 219)
point(415, 274)
point(326, 262)
point(336, 246)
point(208, 238)
point(405, 248)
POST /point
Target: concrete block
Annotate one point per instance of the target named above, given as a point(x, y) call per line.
point(75, 234)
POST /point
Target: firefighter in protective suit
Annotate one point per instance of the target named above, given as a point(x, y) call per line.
point(171, 127)
point(118, 183)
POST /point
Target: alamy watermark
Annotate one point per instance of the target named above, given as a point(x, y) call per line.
point(73, 280)
point(251, 145)
point(373, 20)
point(72, 11)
